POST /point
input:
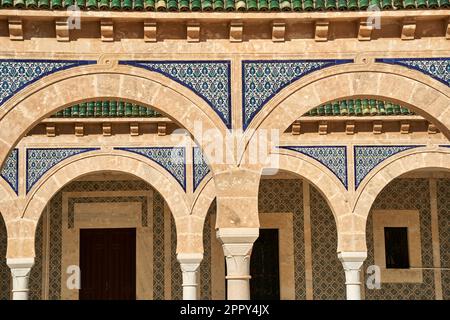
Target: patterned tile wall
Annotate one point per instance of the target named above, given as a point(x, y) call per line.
point(368, 157)
point(328, 274)
point(176, 279)
point(211, 80)
point(287, 196)
point(438, 68)
point(17, 74)
point(443, 187)
point(5, 277)
point(332, 157)
point(35, 281)
point(405, 194)
point(10, 170)
point(205, 266)
point(263, 79)
point(158, 247)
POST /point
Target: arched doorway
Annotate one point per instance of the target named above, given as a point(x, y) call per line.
point(106, 206)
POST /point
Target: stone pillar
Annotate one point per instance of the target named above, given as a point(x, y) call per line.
point(20, 270)
point(237, 246)
point(190, 262)
point(352, 262)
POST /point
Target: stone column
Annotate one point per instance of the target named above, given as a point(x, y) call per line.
point(237, 246)
point(190, 262)
point(352, 262)
point(20, 270)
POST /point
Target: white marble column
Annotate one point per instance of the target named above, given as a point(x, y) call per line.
point(20, 270)
point(352, 262)
point(237, 244)
point(189, 263)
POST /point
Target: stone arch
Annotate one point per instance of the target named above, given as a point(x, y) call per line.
point(7, 197)
point(81, 84)
point(414, 90)
point(324, 181)
point(78, 166)
point(394, 167)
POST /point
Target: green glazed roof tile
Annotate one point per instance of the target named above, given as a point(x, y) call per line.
point(359, 107)
point(228, 5)
point(106, 109)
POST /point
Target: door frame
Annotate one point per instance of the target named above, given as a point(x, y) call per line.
point(110, 215)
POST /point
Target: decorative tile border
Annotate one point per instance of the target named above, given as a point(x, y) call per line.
point(18, 74)
point(158, 247)
point(368, 157)
point(200, 166)
point(211, 80)
point(40, 160)
point(332, 157)
point(173, 159)
point(263, 79)
point(10, 170)
point(437, 68)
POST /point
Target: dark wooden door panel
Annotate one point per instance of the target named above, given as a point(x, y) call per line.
point(108, 264)
point(264, 266)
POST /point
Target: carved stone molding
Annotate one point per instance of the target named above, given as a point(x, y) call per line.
point(107, 30)
point(408, 29)
point(193, 31)
point(278, 31)
point(322, 28)
point(236, 31)
point(150, 28)
point(62, 30)
point(365, 30)
point(15, 27)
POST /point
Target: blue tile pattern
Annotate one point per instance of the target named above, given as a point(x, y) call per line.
point(17, 74)
point(262, 79)
point(40, 160)
point(10, 170)
point(200, 166)
point(368, 157)
point(211, 80)
point(173, 159)
point(332, 157)
point(437, 68)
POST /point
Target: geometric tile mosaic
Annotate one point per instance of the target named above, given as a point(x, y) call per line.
point(437, 68)
point(201, 168)
point(328, 274)
point(17, 74)
point(263, 79)
point(176, 275)
point(205, 265)
point(158, 247)
point(40, 160)
point(173, 159)
point(404, 194)
point(210, 80)
point(368, 157)
point(10, 170)
point(5, 274)
point(332, 157)
point(443, 200)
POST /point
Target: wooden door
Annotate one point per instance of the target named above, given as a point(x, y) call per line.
point(264, 267)
point(108, 264)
